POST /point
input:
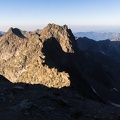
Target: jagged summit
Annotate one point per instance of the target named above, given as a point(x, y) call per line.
point(56, 26)
point(42, 58)
point(15, 31)
point(62, 34)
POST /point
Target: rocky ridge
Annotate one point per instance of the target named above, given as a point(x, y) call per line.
point(22, 58)
point(99, 35)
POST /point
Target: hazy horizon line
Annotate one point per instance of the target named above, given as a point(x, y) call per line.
point(74, 28)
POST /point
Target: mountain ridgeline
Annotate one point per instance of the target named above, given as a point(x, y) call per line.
point(99, 35)
point(35, 58)
point(52, 57)
point(2, 33)
point(102, 66)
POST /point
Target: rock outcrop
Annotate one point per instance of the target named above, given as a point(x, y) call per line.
point(38, 57)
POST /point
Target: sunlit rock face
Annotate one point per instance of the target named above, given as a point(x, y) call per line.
point(37, 57)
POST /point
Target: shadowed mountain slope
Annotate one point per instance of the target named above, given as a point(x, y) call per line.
point(105, 47)
point(101, 67)
point(28, 102)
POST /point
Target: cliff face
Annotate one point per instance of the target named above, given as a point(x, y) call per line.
point(37, 57)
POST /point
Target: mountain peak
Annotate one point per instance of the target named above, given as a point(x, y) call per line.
point(48, 52)
point(52, 25)
point(61, 33)
point(10, 30)
point(15, 31)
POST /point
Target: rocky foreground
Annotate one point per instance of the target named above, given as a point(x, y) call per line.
point(20, 101)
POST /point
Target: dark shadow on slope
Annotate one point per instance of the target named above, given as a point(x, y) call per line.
point(101, 67)
point(88, 75)
point(68, 62)
point(17, 32)
point(20, 101)
point(105, 81)
point(105, 47)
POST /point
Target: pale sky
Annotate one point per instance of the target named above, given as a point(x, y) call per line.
point(79, 15)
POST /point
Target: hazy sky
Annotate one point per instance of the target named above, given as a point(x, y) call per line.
point(79, 15)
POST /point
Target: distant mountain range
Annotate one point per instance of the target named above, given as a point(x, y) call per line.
point(2, 33)
point(104, 47)
point(98, 36)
